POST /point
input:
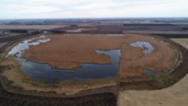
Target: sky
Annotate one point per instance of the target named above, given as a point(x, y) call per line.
point(27, 9)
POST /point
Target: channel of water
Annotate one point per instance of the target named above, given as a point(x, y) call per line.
point(46, 74)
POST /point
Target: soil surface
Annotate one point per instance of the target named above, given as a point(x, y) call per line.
point(172, 35)
point(17, 37)
point(12, 99)
point(182, 41)
point(176, 95)
point(2, 44)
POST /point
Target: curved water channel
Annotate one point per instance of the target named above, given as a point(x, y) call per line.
point(46, 74)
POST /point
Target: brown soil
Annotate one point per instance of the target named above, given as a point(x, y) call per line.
point(13, 99)
point(182, 41)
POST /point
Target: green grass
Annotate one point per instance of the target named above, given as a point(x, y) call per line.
point(163, 78)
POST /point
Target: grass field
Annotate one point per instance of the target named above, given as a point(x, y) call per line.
point(181, 41)
point(176, 95)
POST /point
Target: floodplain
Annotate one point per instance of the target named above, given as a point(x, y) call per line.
point(70, 63)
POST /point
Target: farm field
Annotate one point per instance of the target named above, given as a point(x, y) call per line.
point(181, 41)
point(2, 44)
point(175, 95)
point(32, 27)
point(138, 53)
point(156, 32)
point(132, 62)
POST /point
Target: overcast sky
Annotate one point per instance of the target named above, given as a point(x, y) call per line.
point(20, 9)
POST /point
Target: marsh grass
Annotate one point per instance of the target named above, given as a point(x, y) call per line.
point(71, 83)
point(26, 78)
point(163, 78)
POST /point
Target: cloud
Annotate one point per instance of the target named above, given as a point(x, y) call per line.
point(92, 8)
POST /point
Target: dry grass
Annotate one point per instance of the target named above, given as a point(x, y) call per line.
point(181, 41)
point(176, 95)
point(131, 63)
point(88, 43)
point(76, 48)
point(19, 79)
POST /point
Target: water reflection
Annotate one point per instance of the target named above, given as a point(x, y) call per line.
point(46, 74)
point(87, 71)
point(142, 44)
point(21, 47)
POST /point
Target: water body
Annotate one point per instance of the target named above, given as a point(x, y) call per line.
point(46, 74)
point(149, 72)
point(142, 44)
point(21, 47)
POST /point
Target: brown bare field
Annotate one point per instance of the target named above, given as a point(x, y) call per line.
point(155, 32)
point(9, 35)
point(78, 29)
point(36, 27)
point(81, 29)
point(176, 95)
point(181, 41)
point(68, 52)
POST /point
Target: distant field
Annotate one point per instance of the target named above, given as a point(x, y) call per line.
point(183, 42)
point(2, 44)
point(156, 32)
point(36, 27)
point(148, 24)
